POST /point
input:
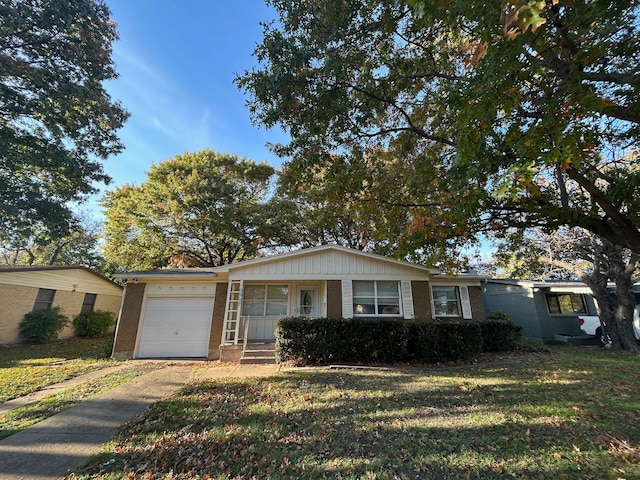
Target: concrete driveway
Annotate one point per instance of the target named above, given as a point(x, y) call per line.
point(56, 446)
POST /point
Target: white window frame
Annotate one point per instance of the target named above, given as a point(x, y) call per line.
point(434, 300)
point(266, 299)
point(376, 298)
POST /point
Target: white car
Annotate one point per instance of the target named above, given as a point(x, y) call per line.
point(590, 324)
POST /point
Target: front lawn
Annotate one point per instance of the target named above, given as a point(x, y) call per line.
point(27, 368)
point(573, 413)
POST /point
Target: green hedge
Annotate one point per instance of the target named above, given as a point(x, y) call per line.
point(445, 341)
point(500, 335)
point(336, 340)
point(372, 340)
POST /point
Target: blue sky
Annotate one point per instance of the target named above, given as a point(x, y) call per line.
point(177, 61)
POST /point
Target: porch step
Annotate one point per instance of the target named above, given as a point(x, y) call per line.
point(259, 353)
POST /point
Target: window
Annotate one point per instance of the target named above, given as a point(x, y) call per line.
point(565, 303)
point(446, 301)
point(44, 299)
point(376, 298)
point(88, 303)
point(265, 300)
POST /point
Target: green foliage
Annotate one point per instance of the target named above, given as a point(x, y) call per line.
point(368, 340)
point(445, 341)
point(58, 121)
point(499, 315)
point(42, 326)
point(499, 334)
point(327, 340)
point(93, 324)
point(197, 209)
point(453, 118)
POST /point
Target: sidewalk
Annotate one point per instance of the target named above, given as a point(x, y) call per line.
point(52, 448)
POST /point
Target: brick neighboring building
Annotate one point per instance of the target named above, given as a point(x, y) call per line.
point(74, 289)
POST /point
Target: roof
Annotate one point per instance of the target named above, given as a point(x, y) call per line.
point(553, 286)
point(192, 273)
point(49, 268)
point(308, 251)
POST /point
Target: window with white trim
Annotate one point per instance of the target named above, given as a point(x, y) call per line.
point(446, 301)
point(265, 300)
point(376, 298)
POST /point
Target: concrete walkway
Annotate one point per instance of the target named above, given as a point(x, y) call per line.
point(54, 447)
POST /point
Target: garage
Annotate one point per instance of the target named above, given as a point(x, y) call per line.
point(176, 327)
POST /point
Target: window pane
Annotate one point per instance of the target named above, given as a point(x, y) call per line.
point(444, 293)
point(388, 289)
point(276, 308)
point(577, 304)
point(88, 302)
point(254, 292)
point(277, 292)
point(552, 303)
point(253, 308)
point(364, 306)
point(363, 288)
point(388, 307)
point(44, 299)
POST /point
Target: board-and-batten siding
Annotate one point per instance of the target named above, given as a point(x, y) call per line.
point(328, 264)
point(68, 280)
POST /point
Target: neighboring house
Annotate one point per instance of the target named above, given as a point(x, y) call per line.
point(204, 313)
point(74, 289)
point(542, 308)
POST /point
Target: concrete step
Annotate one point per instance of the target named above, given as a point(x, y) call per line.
point(262, 360)
point(259, 353)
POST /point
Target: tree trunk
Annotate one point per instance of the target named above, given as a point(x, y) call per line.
point(624, 316)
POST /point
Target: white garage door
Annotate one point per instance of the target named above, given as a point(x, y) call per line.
point(176, 327)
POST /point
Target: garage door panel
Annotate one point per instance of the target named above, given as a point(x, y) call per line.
point(176, 327)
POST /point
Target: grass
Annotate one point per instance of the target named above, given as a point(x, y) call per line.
point(27, 368)
point(573, 413)
point(23, 417)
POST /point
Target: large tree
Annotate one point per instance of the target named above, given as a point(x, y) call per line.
point(195, 210)
point(57, 122)
point(78, 247)
point(526, 111)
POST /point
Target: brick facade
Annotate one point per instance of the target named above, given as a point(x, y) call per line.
point(477, 304)
point(217, 322)
point(129, 321)
point(421, 299)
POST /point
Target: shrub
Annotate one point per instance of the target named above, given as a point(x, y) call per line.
point(42, 326)
point(374, 340)
point(93, 324)
point(325, 340)
point(444, 341)
point(499, 333)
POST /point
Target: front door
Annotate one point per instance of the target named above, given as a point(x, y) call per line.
point(308, 302)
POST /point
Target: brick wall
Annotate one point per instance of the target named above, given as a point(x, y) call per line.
point(219, 306)
point(127, 329)
point(334, 298)
point(421, 299)
point(477, 305)
point(16, 301)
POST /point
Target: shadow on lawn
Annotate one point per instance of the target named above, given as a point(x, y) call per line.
point(490, 423)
